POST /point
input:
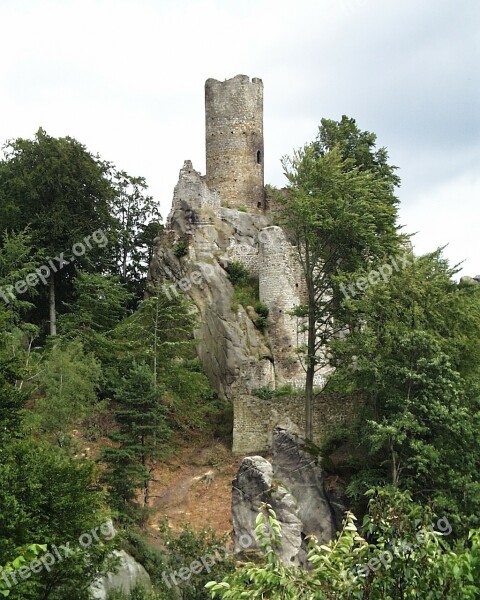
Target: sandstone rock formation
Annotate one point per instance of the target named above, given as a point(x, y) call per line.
point(294, 484)
point(470, 280)
point(129, 574)
point(204, 235)
point(237, 357)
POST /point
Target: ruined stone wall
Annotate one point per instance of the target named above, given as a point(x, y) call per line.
point(192, 193)
point(234, 141)
point(245, 254)
point(256, 418)
point(280, 286)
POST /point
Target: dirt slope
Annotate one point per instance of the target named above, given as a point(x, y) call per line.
point(195, 486)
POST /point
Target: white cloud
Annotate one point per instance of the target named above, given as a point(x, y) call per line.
point(125, 77)
point(435, 215)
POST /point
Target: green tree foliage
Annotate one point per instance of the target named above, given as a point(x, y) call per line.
point(416, 362)
point(401, 552)
point(49, 496)
point(160, 332)
point(97, 306)
point(141, 438)
point(66, 388)
point(160, 388)
point(340, 210)
point(139, 223)
point(60, 190)
point(27, 555)
point(358, 146)
point(17, 259)
point(188, 547)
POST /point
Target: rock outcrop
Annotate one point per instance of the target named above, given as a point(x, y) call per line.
point(201, 239)
point(470, 280)
point(253, 485)
point(294, 484)
point(128, 574)
point(233, 351)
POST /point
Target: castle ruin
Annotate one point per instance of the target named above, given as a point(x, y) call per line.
point(234, 141)
point(220, 218)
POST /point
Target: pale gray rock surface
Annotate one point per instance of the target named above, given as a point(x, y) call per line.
point(253, 485)
point(233, 352)
point(129, 574)
point(305, 479)
point(294, 484)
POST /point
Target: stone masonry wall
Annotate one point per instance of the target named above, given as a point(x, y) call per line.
point(279, 288)
point(234, 141)
point(192, 193)
point(256, 418)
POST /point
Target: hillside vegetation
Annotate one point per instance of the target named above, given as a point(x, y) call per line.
point(91, 353)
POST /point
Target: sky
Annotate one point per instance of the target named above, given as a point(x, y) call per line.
point(126, 78)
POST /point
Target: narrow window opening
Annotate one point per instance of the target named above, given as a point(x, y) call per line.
point(259, 157)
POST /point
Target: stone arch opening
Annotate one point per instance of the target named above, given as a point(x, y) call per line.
point(259, 157)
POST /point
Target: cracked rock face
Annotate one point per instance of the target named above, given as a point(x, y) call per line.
point(253, 485)
point(129, 574)
point(233, 352)
point(294, 484)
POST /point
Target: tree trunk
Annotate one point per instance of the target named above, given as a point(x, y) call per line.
point(146, 492)
point(51, 304)
point(310, 364)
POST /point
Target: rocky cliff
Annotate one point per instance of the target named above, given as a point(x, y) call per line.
point(201, 239)
point(295, 485)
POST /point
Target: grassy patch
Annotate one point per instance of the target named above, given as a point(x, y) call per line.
point(266, 393)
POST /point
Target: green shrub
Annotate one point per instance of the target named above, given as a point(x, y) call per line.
point(266, 393)
point(188, 547)
point(261, 309)
point(238, 273)
point(261, 321)
point(400, 552)
point(138, 593)
point(180, 248)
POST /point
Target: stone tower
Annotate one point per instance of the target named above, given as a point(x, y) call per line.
point(234, 141)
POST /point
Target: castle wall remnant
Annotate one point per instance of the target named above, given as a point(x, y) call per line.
point(256, 418)
point(220, 218)
point(234, 141)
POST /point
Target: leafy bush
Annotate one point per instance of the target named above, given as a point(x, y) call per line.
point(185, 549)
point(138, 593)
point(180, 248)
point(238, 273)
point(266, 393)
point(262, 311)
point(398, 554)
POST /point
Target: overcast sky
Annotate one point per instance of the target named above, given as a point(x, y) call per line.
point(126, 78)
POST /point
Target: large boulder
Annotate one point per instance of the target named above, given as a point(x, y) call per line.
point(128, 574)
point(302, 474)
point(252, 486)
point(294, 484)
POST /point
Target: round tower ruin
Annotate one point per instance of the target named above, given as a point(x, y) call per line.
point(234, 141)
